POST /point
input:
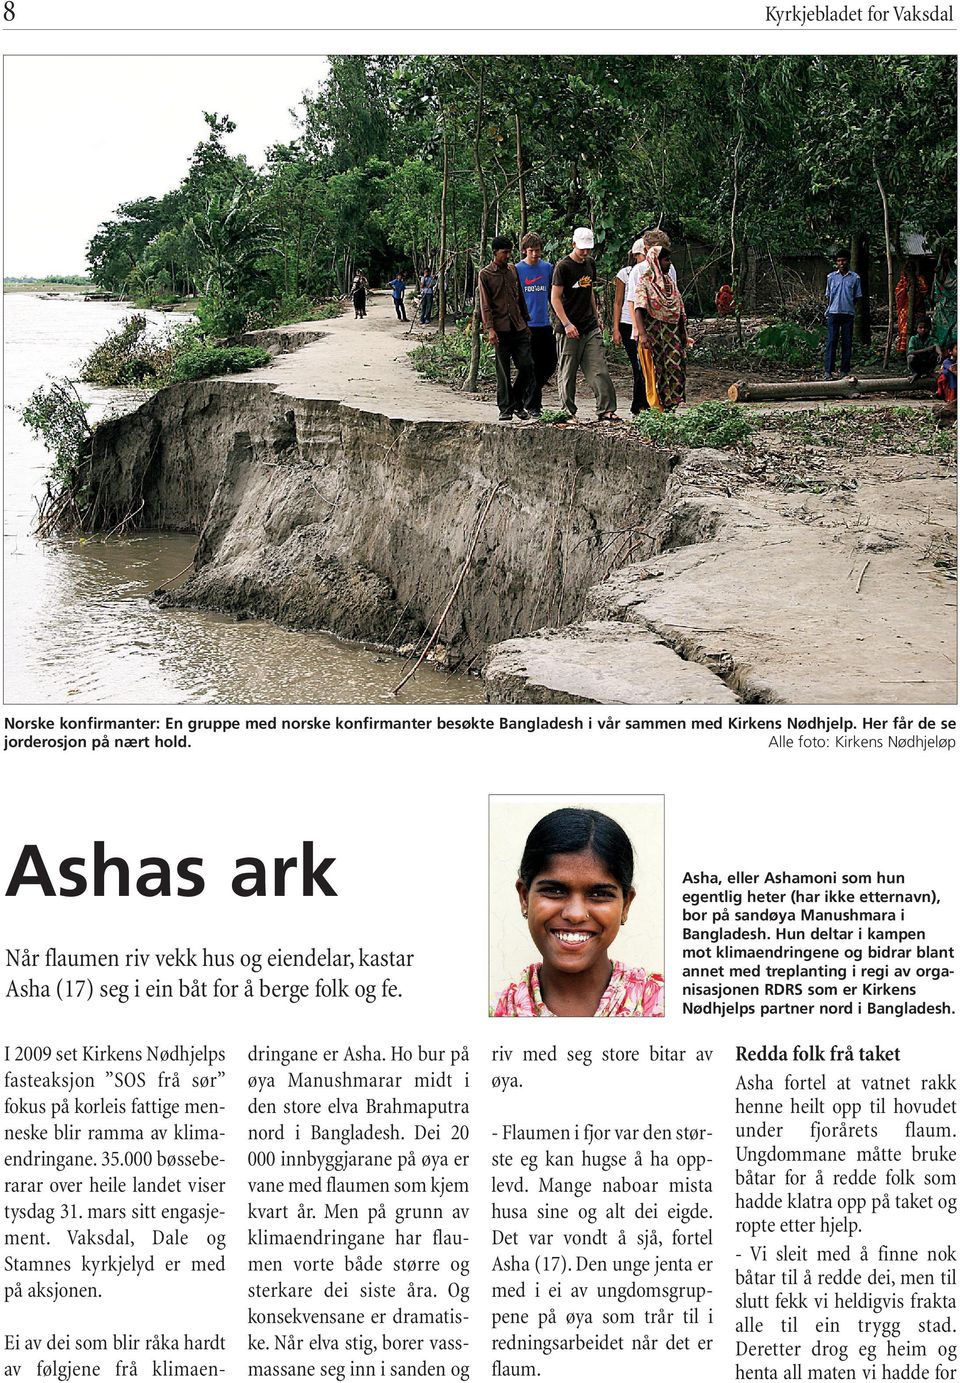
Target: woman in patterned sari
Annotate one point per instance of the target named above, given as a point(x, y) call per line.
point(945, 300)
point(575, 887)
point(661, 327)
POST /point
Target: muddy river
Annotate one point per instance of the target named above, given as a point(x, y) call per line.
point(79, 625)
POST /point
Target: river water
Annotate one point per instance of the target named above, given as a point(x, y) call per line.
point(79, 626)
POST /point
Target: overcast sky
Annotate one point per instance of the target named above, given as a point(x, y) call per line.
point(83, 134)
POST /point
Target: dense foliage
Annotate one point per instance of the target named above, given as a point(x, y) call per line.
point(201, 361)
point(130, 355)
point(705, 425)
point(56, 416)
point(413, 161)
point(138, 355)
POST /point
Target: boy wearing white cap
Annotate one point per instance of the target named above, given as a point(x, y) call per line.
point(574, 301)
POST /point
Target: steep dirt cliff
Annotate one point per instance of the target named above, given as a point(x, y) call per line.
point(321, 515)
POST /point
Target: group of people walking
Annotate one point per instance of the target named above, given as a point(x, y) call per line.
point(398, 287)
point(542, 318)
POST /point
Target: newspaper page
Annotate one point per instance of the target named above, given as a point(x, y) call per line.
point(480, 543)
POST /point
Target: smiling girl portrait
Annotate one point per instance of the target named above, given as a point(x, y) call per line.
point(576, 885)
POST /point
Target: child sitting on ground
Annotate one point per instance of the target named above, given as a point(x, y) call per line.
point(947, 380)
point(921, 350)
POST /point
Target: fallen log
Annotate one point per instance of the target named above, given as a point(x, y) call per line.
point(922, 383)
point(848, 388)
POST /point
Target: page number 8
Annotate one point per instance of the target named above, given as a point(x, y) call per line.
point(9, 11)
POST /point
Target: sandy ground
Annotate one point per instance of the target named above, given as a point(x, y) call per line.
point(364, 365)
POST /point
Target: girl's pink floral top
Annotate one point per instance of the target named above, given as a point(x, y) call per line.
point(630, 994)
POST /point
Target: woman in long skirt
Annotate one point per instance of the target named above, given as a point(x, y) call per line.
point(359, 291)
point(661, 327)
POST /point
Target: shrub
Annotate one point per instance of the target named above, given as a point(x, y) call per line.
point(130, 357)
point(787, 344)
point(447, 359)
point(290, 309)
point(804, 303)
point(56, 416)
point(783, 346)
point(705, 425)
point(127, 356)
point(200, 361)
point(325, 311)
point(222, 316)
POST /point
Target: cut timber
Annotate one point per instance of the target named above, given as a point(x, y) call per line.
point(922, 383)
point(847, 388)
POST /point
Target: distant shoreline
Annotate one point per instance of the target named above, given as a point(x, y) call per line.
point(46, 288)
point(13, 285)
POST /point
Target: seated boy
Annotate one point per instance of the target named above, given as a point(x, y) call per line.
point(921, 350)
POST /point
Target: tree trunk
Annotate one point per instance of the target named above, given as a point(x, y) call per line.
point(298, 257)
point(694, 279)
point(476, 326)
point(911, 268)
point(442, 282)
point(849, 388)
point(891, 304)
point(521, 185)
point(750, 280)
point(734, 276)
point(861, 264)
point(777, 281)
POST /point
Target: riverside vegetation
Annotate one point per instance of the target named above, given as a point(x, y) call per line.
point(132, 357)
point(416, 161)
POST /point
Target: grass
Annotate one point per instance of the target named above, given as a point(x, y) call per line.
point(446, 360)
point(61, 284)
point(712, 424)
point(886, 429)
point(201, 361)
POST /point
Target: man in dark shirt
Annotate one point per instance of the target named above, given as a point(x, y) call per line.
point(574, 300)
point(503, 312)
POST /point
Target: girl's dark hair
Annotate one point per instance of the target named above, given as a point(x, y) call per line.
point(569, 830)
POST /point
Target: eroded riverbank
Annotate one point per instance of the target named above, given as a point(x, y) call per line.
point(335, 490)
point(80, 625)
point(321, 515)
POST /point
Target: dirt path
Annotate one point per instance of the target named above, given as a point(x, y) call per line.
point(364, 364)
